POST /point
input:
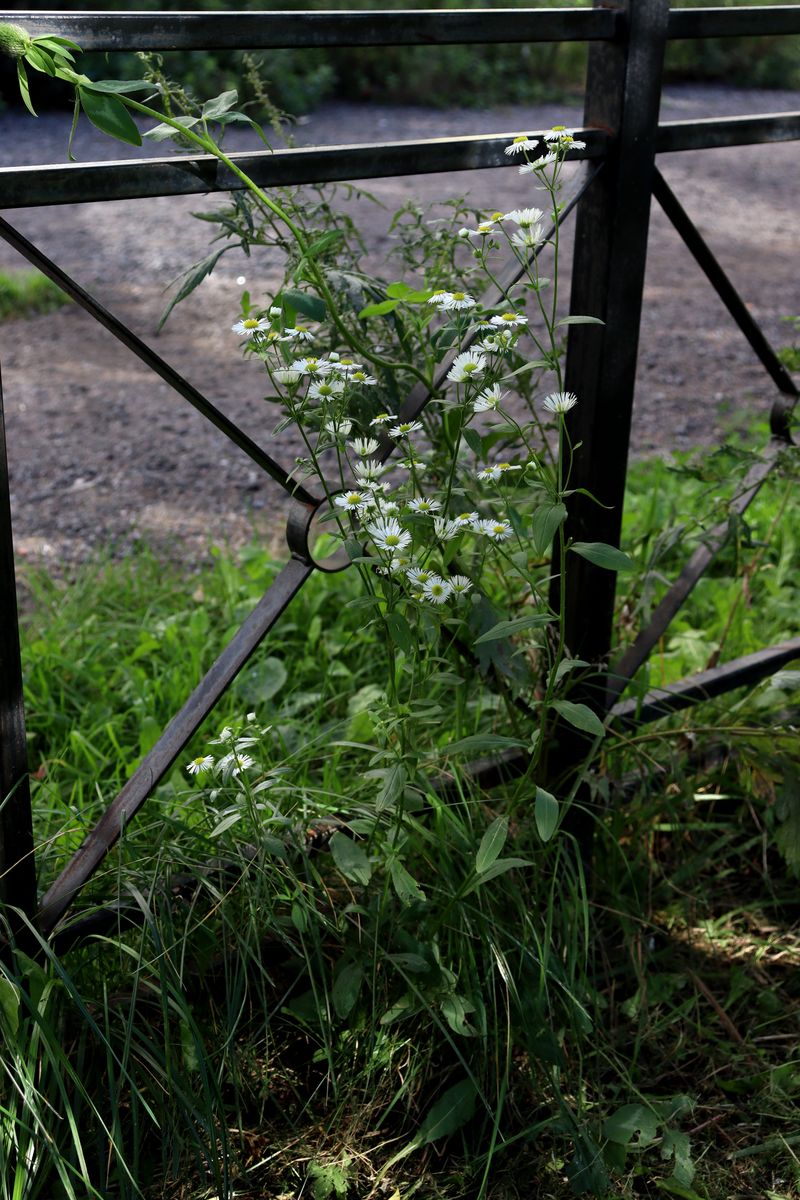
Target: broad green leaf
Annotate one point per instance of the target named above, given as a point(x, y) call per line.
point(263, 680)
point(220, 104)
point(191, 279)
point(407, 888)
point(498, 867)
point(380, 309)
point(675, 1144)
point(603, 555)
point(9, 1004)
point(350, 858)
point(118, 87)
point(492, 844)
point(401, 291)
point(473, 440)
point(581, 716)
point(545, 522)
point(59, 44)
point(346, 987)
point(109, 114)
point(456, 1010)
point(628, 1121)
point(40, 60)
point(580, 321)
point(310, 306)
point(326, 242)
point(449, 1113)
point(482, 741)
point(162, 133)
point(545, 814)
point(400, 632)
point(506, 628)
point(394, 781)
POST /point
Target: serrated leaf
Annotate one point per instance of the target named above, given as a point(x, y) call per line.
point(482, 741)
point(545, 812)
point(492, 844)
point(350, 858)
point(192, 279)
point(505, 629)
point(219, 105)
point(545, 522)
point(603, 555)
point(346, 987)
point(581, 716)
point(380, 309)
point(628, 1121)
point(108, 114)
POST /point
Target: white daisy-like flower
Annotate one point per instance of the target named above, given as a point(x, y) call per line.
point(287, 376)
point(497, 469)
point(529, 238)
point(369, 468)
point(488, 400)
point(560, 402)
point(413, 464)
point(294, 333)
point(540, 163)
point(351, 501)
point(418, 576)
point(383, 418)
point(437, 590)
point(400, 562)
point(234, 763)
point(438, 297)
point(446, 529)
point(405, 429)
point(362, 379)
point(364, 446)
point(249, 327)
point(508, 320)
point(387, 507)
point(498, 531)
point(338, 429)
point(225, 735)
point(565, 138)
point(483, 230)
point(325, 389)
point(346, 366)
point(458, 300)
point(388, 534)
point(460, 585)
point(524, 217)
point(465, 366)
point(466, 519)
point(423, 505)
point(522, 144)
point(199, 766)
point(311, 366)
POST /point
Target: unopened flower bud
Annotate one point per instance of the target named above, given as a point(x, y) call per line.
point(14, 41)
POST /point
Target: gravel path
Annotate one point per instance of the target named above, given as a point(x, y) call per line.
point(103, 454)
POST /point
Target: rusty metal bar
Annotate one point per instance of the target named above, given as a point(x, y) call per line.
point(155, 362)
point(713, 133)
point(751, 21)
point(183, 725)
point(312, 30)
point(627, 666)
point(183, 175)
point(739, 672)
point(17, 863)
point(722, 285)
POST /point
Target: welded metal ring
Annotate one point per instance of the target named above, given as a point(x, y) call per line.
point(304, 530)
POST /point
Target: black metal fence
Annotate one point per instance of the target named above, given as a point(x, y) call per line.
point(623, 139)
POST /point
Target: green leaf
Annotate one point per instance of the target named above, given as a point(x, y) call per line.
point(498, 867)
point(545, 522)
point(9, 1004)
point(394, 781)
point(346, 987)
point(456, 1010)
point(473, 440)
point(545, 814)
point(626, 1122)
point(401, 291)
point(603, 555)
point(580, 321)
point(191, 279)
point(506, 628)
point(119, 87)
point(220, 104)
point(162, 133)
point(492, 844)
point(40, 60)
point(108, 114)
point(449, 1113)
point(350, 858)
point(263, 680)
point(24, 89)
point(379, 310)
point(58, 45)
point(326, 242)
point(407, 888)
point(581, 716)
point(400, 632)
point(310, 306)
point(483, 741)
point(675, 1144)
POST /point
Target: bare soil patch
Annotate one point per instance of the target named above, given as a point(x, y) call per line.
point(102, 454)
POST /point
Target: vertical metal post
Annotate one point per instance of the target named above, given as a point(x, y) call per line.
point(623, 91)
point(17, 864)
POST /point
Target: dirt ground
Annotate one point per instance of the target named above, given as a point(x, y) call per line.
point(103, 454)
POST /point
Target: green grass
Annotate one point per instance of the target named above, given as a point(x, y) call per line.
point(316, 1012)
point(28, 293)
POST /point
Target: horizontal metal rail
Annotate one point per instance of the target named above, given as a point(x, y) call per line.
point(750, 21)
point(71, 183)
point(715, 133)
point(705, 685)
point(312, 30)
point(181, 728)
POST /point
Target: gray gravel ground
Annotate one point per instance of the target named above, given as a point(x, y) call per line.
point(102, 453)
